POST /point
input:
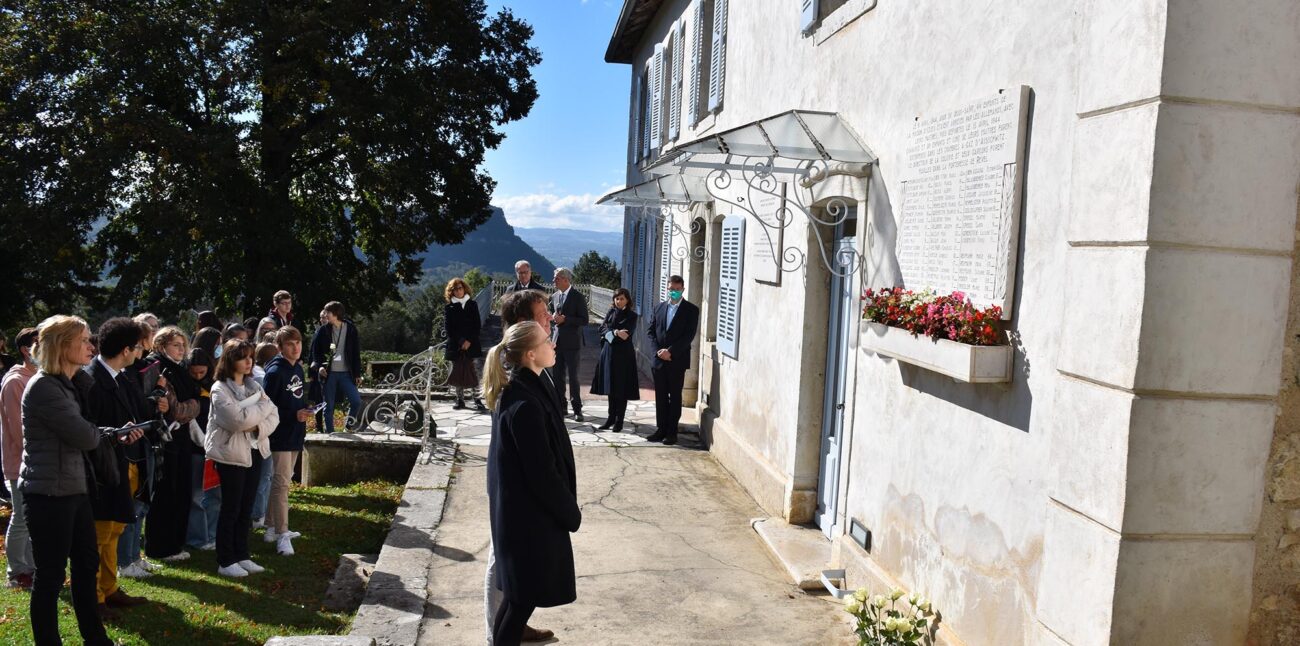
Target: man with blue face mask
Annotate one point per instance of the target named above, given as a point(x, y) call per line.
point(672, 329)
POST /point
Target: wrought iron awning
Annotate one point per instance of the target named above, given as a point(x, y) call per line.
point(660, 191)
point(794, 142)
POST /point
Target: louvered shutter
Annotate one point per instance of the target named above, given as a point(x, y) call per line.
point(697, 70)
point(639, 272)
point(807, 15)
point(731, 271)
point(637, 144)
point(675, 104)
point(718, 62)
point(657, 98)
point(645, 111)
point(665, 257)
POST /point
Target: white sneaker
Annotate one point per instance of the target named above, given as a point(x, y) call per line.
point(251, 567)
point(270, 536)
point(208, 547)
point(284, 546)
point(134, 571)
point(233, 570)
point(291, 534)
point(259, 523)
point(177, 557)
point(147, 566)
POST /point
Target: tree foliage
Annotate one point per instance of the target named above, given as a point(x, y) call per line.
point(225, 149)
point(596, 269)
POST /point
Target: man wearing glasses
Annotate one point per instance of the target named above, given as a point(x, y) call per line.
point(282, 313)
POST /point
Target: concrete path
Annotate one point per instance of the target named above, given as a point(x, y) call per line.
point(666, 555)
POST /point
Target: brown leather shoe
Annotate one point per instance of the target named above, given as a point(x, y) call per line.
point(121, 599)
point(106, 614)
point(536, 635)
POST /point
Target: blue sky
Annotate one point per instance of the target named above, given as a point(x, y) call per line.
point(572, 147)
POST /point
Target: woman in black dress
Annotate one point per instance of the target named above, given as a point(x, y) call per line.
point(616, 375)
point(462, 324)
point(532, 483)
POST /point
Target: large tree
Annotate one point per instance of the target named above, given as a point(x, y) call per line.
point(210, 152)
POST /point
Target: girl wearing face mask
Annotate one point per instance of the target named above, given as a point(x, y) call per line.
point(532, 482)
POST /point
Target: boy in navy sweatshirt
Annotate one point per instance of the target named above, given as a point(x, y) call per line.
point(286, 386)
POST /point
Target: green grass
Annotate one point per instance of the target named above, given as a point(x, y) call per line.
point(192, 605)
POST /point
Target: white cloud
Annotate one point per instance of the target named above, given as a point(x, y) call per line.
point(560, 212)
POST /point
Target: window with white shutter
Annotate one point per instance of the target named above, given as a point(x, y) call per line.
point(807, 15)
point(701, 34)
point(730, 280)
point(665, 257)
point(638, 273)
point(675, 95)
point(645, 112)
point(656, 99)
point(718, 55)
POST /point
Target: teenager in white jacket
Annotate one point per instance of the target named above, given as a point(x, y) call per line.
point(241, 421)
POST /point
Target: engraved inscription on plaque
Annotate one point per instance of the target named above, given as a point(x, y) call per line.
point(959, 225)
point(764, 262)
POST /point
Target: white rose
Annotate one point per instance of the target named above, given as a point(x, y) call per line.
point(852, 607)
point(924, 604)
point(880, 601)
point(861, 595)
point(895, 595)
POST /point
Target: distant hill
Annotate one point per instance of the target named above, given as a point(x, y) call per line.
point(564, 246)
point(493, 247)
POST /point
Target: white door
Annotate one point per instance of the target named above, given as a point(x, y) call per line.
point(839, 326)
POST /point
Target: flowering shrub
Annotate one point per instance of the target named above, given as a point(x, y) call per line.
point(951, 317)
point(884, 621)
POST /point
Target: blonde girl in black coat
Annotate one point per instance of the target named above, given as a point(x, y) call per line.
point(532, 483)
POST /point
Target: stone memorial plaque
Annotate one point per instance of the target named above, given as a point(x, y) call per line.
point(764, 262)
point(960, 215)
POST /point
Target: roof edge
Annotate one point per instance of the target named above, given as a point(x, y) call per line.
point(628, 31)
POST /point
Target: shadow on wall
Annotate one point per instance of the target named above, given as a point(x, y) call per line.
point(1009, 404)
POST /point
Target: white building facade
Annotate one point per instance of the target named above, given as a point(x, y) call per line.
point(1107, 485)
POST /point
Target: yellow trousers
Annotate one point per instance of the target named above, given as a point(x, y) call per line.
point(106, 534)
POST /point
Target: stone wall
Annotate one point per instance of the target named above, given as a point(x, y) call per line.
point(1275, 607)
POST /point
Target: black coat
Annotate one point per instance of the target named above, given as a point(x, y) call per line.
point(676, 338)
point(532, 284)
point(320, 350)
point(616, 374)
point(112, 404)
point(533, 495)
point(462, 323)
point(569, 334)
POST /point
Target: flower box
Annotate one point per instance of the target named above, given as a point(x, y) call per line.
point(976, 364)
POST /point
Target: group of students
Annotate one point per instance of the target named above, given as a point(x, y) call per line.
point(139, 442)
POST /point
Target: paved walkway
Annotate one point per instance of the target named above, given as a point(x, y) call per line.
point(665, 555)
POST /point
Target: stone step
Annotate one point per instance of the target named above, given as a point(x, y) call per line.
point(803, 552)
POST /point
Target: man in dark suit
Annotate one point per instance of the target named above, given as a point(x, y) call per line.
point(569, 313)
point(672, 329)
point(121, 471)
point(525, 278)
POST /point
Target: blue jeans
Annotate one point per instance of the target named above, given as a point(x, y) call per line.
point(130, 545)
point(263, 489)
point(336, 383)
point(205, 508)
point(18, 543)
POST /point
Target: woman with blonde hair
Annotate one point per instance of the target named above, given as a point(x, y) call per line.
point(532, 482)
point(462, 324)
point(56, 435)
point(239, 427)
